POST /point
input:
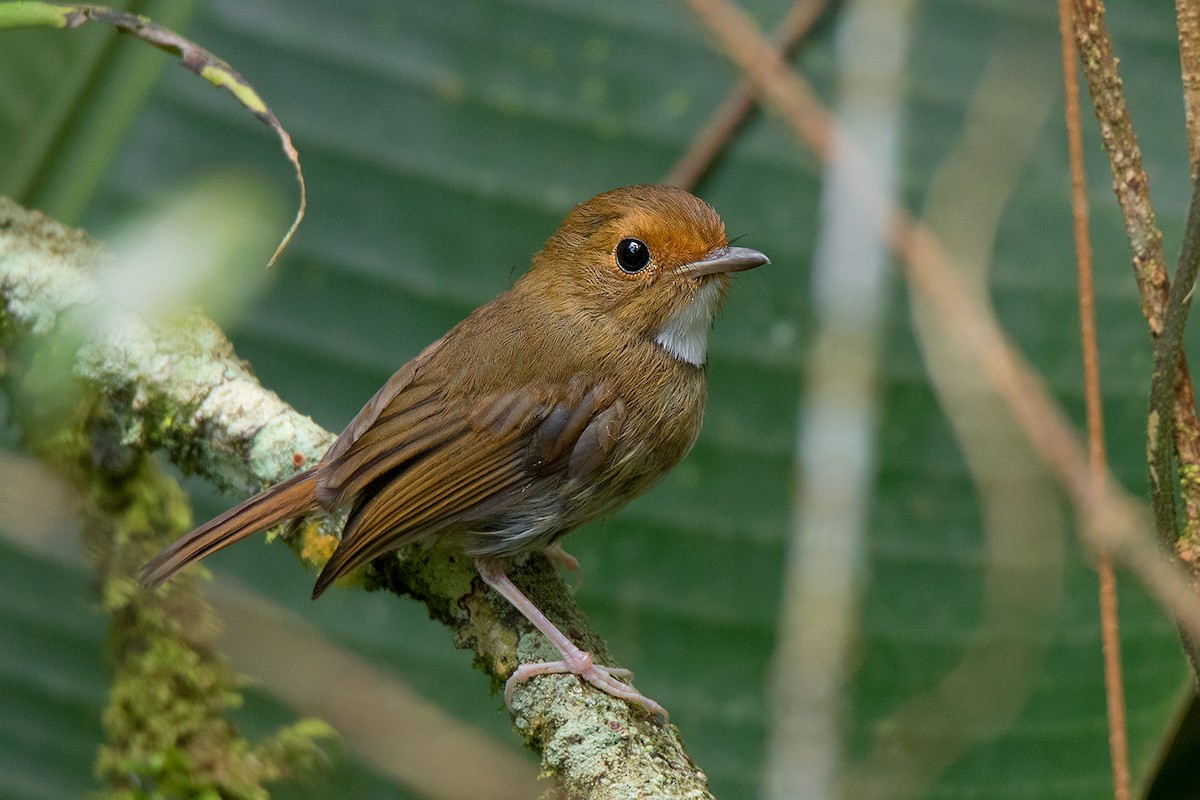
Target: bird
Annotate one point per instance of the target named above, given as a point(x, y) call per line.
point(556, 403)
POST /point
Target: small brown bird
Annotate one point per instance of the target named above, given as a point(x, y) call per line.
point(558, 402)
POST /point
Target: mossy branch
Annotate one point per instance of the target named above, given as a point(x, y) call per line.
point(168, 732)
point(181, 390)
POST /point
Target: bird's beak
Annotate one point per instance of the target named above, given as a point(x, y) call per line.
point(725, 259)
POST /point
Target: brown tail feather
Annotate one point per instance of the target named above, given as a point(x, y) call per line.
point(285, 500)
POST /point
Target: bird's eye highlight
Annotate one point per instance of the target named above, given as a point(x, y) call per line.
point(632, 255)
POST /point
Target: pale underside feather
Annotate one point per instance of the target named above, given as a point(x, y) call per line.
point(685, 334)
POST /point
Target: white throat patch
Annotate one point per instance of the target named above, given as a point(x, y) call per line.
point(685, 335)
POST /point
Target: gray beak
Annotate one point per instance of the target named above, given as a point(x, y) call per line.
point(726, 259)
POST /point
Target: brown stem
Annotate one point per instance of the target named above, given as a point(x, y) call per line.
point(1130, 183)
point(710, 141)
point(1110, 636)
point(1187, 13)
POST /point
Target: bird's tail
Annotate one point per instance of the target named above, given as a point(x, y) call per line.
point(290, 498)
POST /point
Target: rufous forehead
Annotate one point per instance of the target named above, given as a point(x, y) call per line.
point(674, 234)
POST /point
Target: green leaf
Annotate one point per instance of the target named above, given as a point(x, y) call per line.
point(69, 99)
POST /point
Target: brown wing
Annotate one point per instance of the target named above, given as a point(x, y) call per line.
point(429, 464)
point(390, 399)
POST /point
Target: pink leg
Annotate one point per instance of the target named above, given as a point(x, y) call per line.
point(574, 660)
point(562, 559)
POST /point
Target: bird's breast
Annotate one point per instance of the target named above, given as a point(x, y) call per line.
point(653, 425)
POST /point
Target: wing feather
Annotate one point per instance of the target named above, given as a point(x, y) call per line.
point(427, 464)
point(401, 511)
point(404, 435)
point(382, 402)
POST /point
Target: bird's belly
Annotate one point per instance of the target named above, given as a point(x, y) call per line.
point(541, 517)
point(552, 505)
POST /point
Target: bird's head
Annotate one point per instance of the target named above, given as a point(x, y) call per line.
point(652, 261)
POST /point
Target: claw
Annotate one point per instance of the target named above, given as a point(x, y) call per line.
point(606, 679)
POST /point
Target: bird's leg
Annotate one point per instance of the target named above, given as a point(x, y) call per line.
point(574, 660)
point(562, 559)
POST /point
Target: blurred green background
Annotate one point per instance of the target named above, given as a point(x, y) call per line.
point(443, 141)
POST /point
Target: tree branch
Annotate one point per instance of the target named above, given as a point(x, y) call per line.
point(1178, 425)
point(1187, 16)
point(179, 388)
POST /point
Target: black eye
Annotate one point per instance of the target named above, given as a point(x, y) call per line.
point(632, 255)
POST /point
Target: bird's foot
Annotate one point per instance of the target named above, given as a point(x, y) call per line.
point(574, 660)
point(610, 680)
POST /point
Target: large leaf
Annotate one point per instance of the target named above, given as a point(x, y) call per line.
point(68, 102)
point(442, 143)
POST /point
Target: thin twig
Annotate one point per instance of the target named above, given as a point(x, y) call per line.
point(1130, 183)
point(1114, 691)
point(710, 141)
point(1187, 14)
point(191, 55)
point(1132, 189)
point(1120, 527)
